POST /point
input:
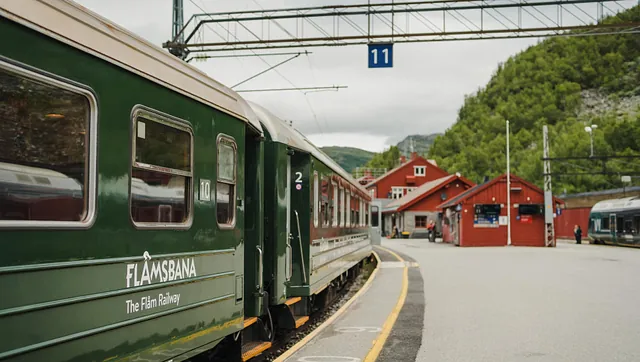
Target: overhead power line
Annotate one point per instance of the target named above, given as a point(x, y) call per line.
point(335, 87)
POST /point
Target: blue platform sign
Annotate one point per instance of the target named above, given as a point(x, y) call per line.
point(380, 55)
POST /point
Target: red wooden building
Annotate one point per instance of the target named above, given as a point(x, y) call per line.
point(413, 211)
point(478, 217)
point(407, 177)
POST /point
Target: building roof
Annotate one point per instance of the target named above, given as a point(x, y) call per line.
point(83, 29)
point(425, 190)
point(477, 189)
point(393, 170)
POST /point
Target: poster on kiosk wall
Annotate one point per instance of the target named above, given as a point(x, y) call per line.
point(486, 216)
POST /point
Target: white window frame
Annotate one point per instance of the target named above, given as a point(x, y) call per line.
point(315, 200)
point(397, 191)
point(420, 171)
point(335, 203)
point(356, 211)
point(341, 221)
point(90, 161)
point(367, 216)
point(325, 215)
point(347, 205)
point(179, 124)
point(234, 184)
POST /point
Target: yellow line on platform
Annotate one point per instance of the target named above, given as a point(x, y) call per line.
point(335, 315)
point(378, 343)
point(391, 252)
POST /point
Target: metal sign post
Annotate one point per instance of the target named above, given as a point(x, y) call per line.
point(508, 190)
point(550, 239)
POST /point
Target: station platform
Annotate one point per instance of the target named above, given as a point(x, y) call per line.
point(362, 330)
point(438, 302)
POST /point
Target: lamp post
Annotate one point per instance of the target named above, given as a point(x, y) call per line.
point(508, 190)
point(590, 130)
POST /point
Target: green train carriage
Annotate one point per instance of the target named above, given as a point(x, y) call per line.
point(147, 227)
point(123, 201)
point(308, 247)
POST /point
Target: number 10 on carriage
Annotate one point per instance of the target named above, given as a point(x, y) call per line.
point(380, 55)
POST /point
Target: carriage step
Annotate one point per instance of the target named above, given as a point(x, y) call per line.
point(249, 321)
point(300, 321)
point(253, 349)
point(292, 301)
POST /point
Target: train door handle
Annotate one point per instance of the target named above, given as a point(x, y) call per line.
point(260, 267)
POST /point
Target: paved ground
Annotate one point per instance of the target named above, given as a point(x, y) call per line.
point(350, 337)
point(570, 303)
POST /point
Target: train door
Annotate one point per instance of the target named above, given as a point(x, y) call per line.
point(289, 235)
point(612, 227)
point(299, 205)
point(253, 230)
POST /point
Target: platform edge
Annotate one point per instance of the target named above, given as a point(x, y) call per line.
point(379, 342)
point(331, 319)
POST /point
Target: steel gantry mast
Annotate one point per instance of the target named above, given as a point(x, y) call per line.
point(177, 35)
point(398, 22)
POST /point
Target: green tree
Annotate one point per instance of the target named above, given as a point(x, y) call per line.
point(544, 85)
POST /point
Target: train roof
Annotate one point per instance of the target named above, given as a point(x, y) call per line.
point(79, 27)
point(618, 205)
point(284, 133)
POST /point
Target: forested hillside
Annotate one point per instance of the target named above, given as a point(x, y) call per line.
point(566, 83)
point(348, 157)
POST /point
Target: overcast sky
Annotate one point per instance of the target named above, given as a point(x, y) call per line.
point(421, 94)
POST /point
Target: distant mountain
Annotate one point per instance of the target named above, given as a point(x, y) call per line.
point(348, 157)
point(421, 143)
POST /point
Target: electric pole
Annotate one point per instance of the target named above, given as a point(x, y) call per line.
point(177, 32)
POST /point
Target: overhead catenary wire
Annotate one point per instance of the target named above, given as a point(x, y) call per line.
point(267, 63)
point(313, 112)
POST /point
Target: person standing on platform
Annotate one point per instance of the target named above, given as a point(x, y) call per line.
point(578, 234)
point(431, 228)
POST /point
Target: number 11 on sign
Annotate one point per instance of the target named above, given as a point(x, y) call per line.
point(380, 55)
point(375, 55)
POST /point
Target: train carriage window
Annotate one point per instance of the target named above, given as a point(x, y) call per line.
point(315, 202)
point(374, 216)
point(226, 185)
point(357, 221)
point(325, 201)
point(47, 144)
point(347, 209)
point(355, 215)
point(366, 215)
point(334, 204)
point(605, 223)
point(161, 175)
point(341, 208)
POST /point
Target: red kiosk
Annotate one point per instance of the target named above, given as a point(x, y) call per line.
point(478, 217)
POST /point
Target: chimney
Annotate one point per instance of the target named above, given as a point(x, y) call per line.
point(403, 160)
point(414, 155)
